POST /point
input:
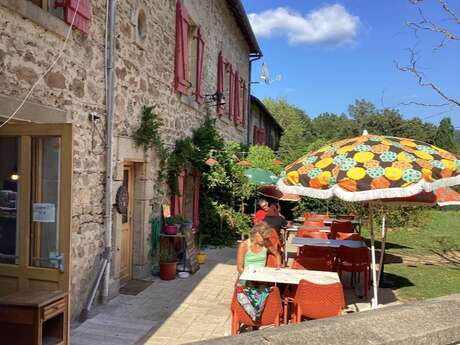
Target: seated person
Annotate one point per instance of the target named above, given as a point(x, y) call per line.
point(253, 251)
point(275, 220)
point(262, 212)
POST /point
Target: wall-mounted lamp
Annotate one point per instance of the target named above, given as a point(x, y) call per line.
point(14, 176)
point(215, 99)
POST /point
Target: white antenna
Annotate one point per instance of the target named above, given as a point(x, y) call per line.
point(265, 75)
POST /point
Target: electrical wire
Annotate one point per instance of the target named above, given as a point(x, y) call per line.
point(69, 32)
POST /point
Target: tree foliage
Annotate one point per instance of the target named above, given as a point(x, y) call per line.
point(445, 136)
point(261, 156)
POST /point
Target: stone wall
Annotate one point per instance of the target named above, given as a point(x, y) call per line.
point(144, 76)
point(430, 322)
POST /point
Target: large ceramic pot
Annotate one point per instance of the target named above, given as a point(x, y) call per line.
point(168, 270)
point(170, 229)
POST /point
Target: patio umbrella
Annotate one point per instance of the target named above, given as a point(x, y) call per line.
point(260, 176)
point(274, 193)
point(371, 167)
point(444, 196)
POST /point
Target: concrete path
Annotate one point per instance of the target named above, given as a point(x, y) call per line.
point(182, 310)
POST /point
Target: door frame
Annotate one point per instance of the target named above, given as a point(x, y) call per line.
point(24, 271)
point(129, 166)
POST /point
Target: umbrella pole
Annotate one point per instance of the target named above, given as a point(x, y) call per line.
point(374, 304)
point(382, 250)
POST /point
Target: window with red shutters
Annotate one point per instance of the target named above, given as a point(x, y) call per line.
point(262, 136)
point(181, 81)
point(220, 81)
point(199, 66)
point(231, 101)
point(81, 10)
point(236, 99)
point(245, 102)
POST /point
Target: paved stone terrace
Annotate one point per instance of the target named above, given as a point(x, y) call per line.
point(178, 311)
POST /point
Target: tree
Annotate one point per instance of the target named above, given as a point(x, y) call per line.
point(332, 127)
point(445, 136)
point(446, 33)
point(298, 133)
point(261, 156)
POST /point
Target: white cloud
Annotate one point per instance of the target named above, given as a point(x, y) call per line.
point(328, 24)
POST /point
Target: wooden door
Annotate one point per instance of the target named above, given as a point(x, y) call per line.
point(127, 226)
point(35, 207)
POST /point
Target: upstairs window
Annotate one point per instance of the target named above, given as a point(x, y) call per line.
point(67, 9)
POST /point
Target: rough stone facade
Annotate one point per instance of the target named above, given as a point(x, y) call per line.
point(144, 76)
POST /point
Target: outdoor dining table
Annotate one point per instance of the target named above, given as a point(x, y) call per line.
point(302, 241)
point(288, 275)
point(294, 229)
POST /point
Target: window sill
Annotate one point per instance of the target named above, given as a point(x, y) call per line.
point(37, 15)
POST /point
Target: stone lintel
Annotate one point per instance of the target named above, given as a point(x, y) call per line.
point(31, 112)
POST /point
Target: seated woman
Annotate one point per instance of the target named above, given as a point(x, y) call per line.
point(253, 251)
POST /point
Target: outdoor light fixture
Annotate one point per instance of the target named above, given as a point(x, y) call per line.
point(14, 177)
point(216, 98)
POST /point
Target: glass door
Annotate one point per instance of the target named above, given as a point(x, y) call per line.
point(35, 207)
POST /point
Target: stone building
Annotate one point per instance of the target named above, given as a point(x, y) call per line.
point(265, 129)
point(180, 57)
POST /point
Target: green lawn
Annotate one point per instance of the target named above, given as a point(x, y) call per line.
point(417, 280)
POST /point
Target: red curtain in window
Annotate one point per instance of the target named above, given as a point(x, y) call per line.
point(236, 99)
point(177, 201)
point(82, 19)
point(220, 80)
point(245, 102)
point(181, 83)
point(196, 198)
point(230, 90)
point(199, 66)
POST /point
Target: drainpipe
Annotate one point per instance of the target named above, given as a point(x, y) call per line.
point(252, 58)
point(110, 89)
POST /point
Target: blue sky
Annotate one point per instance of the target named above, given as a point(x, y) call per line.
point(331, 53)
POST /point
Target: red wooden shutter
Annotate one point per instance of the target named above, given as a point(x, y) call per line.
point(236, 99)
point(254, 135)
point(220, 80)
point(180, 80)
point(196, 198)
point(178, 200)
point(245, 103)
point(82, 19)
point(230, 91)
point(262, 136)
point(199, 66)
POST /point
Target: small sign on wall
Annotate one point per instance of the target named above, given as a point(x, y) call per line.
point(44, 213)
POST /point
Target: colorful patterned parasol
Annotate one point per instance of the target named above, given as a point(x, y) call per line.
point(443, 196)
point(371, 167)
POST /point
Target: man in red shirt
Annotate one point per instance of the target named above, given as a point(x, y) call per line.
point(262, 212)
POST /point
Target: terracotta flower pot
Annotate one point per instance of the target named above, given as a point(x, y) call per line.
point(168, 270)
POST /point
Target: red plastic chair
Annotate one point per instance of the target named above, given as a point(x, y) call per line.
point(270, 315)
point(354, 260)
point(316, 301)
point(275, 242)
point(348, 236)
point(343, 226)
point(311, 234)
point(315, 258)
point(317, 223)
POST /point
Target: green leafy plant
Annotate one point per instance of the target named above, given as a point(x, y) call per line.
point(261, 156)
point(148, 136)
point(168, 256)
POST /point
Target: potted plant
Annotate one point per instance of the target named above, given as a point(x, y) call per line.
point(170, 227)
point(168, 263)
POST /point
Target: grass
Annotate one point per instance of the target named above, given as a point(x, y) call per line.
point(439, 235)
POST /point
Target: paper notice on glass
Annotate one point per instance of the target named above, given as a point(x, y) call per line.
point(44, 213)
